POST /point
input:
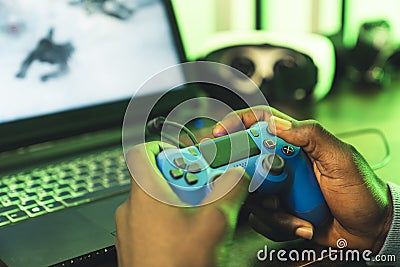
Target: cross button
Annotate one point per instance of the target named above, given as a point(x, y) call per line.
point(287, 150)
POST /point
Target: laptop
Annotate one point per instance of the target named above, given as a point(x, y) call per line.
point(68, 70)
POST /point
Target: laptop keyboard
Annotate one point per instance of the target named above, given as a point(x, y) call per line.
point(66, 184)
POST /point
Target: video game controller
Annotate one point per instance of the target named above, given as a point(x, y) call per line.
point(276, 167)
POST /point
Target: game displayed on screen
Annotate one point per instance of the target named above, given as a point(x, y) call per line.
point(57, 55)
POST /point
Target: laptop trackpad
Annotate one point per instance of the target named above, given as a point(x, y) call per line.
point(60, 236)
point(103, 214)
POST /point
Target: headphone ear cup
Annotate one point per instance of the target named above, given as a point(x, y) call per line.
point(294, 74)
point(227, 95)
point(294, 80)
point(244, 65)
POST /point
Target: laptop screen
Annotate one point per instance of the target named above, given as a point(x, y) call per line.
point(59, 55)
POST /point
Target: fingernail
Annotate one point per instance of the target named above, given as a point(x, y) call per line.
point(305, 232)
point(280, 123)
point(218, 130)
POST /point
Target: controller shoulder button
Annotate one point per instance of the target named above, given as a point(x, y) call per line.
point(180, 163)
point(191, 178)
point(254, 133)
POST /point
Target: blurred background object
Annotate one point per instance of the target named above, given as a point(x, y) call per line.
point(288, 68)
point(355, 27)
point(12, 20)
point(372, 61)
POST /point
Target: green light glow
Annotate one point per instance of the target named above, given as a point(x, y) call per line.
point(243, 17)
point(287, 15)
point(302, 16)
point(359, 11)
point(198, 20)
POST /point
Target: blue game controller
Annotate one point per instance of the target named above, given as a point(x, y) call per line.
point(276, 167)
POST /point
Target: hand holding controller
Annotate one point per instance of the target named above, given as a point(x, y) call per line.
point(276, 167)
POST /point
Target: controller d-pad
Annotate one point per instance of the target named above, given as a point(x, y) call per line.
point(180, 163)
point(194, 167)
point(191, 178)
point(176, 173)
point(287, 150)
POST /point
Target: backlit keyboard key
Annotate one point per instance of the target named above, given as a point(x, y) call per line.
point(45, 199)
point(10, 200)
point(53, 206)
point(8, 209)
point(3, 188)
point(63, 195)
point(34, 186)
point(36, 211)
point(80, 191)
point(27, 204)
point(4, 220)
point(17, 216)
point(45, 189)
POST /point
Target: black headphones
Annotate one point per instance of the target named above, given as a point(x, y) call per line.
point(287, 68)
point(282, 74)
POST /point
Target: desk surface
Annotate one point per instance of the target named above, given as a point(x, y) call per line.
point(347, 110)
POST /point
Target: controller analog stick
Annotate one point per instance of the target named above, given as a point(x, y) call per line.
point(274, 163)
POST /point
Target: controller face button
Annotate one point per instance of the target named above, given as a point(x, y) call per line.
point(254, 133)
point(194, 168)
point(191, 179)
point(180, 163)
point(274, 163)
point(176, 173)
point(269, 143)
point(193, 151)
point(287, 150)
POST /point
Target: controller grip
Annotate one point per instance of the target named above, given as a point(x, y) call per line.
point(305, 198)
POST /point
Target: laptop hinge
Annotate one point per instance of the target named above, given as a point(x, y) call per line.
point(49, 151)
